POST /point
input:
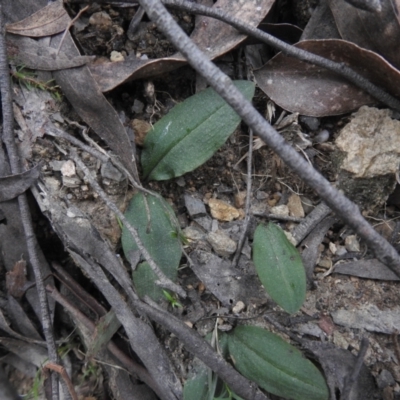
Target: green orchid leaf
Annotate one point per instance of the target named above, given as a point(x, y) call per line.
point(279, 267)
point(190, 134)
point(275, 365)
point(196, 387)
point(154, 220)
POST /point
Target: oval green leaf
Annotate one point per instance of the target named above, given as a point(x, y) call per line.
point(190, 134)
point(279, 267)
point(156, 229)
point(275, 365)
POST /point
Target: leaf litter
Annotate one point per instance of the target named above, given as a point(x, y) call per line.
point(332, 292)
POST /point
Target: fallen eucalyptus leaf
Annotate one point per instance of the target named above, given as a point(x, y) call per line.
point(190, 134)
point(279, 267)
point(275, 365)
point(34, 55)
point(156, 229)
point(47, 21)
point(311, 90)
point(13, 185)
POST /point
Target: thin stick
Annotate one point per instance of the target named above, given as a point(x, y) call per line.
point(340, 68)
point(163, 281)
point(248, 198)
point(31, 242)
point(134, 368)
point(341, 205)
point(64, 374)
point(349, 382)
point(278, 217)
point(69, 27)
point(201, 349)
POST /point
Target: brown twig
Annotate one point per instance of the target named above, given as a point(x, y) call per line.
point(201, 349)
point(248, 201)
point(69, 27)
point(61, 371)
point(15, 164)
point(131, 366)
point(351, 379)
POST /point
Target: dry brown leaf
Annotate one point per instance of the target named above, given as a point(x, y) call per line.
point(213, 37)
point(48, 21)
point(379, 32)
point(311, 90)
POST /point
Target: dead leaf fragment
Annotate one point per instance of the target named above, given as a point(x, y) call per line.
point(377, 32)
point(13, 185)
point(371, 141)
point(48, 21)
point(222, 211)
point(213, 37)
point(314, 91)
point(16, 279)
point(34, 55)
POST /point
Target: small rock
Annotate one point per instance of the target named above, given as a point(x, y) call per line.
point(258, 207)
point(273, 199)
point(260, 195)
point(181, 181)
point(137, 107)
point(222, 211)
point(238, 307)
point(225, 327)
point(193, 233)
point(116, 56)
point(385, 379)
point(56, 165)
point(205, 222)
point(141, 129)
point(352, 243)
point(68, 169)
point(295, 206)
point(214, 225)
point(71, 182)
point(52, 183)
point(101, 20)
point(280, 210)
point(240, 199)
point(332, 247)
point(222, 244)
point(57, 117)
point(340, 251)
point(108, 171)
point(322, 137)
point(325, 263)
point(194, 207)
point(311, 123)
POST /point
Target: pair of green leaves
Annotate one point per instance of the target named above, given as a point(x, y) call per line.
point(267, 360)
point(180, 142)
